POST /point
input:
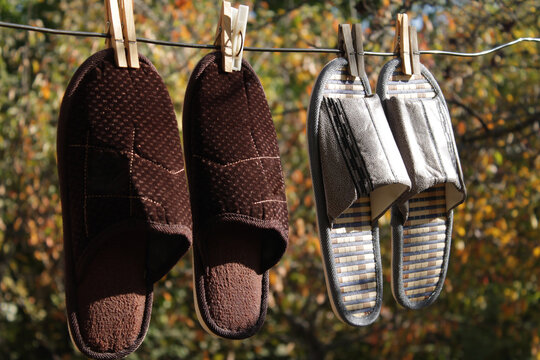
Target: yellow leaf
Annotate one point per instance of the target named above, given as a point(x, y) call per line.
point(511, 262)
point(461, 128)
point(35, 66)
point(300, 227)
point(17, 224)
point(46, 92)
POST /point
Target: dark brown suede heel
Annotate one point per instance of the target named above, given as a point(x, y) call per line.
point(125, 206)
point(237, 194)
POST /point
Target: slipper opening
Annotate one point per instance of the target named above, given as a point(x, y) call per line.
point(113, 293)
point(232, 274)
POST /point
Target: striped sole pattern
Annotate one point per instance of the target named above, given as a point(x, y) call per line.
point(352, 249)
point(341, 85)
point(409, 87)
point(424, 242)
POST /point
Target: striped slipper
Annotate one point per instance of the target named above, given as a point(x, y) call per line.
point(357, 175)
point(422, 221)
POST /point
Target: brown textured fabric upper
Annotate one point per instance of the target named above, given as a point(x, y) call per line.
point(125, 203)
point(237, 193)
point(231, 149)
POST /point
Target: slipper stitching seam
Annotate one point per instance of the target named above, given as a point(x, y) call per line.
point(258, 160)
point(124, 152)
point(235, 162)
point(131, 172)
point(269, 200)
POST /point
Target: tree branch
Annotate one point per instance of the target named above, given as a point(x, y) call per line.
point(455, 100)
point(502, 131)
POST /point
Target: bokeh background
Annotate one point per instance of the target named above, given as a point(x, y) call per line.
point(489, 308)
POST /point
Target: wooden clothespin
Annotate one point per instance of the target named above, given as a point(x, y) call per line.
point(402, 42)
point(116, 41)
point(239, 35)
point(415, 53)
point(230, 35)
point(352, 45)
point(223, 33)
point(358, 40)
point(121, 27)
point(130, 37)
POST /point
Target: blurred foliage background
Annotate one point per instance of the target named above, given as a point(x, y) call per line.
point(489, 308)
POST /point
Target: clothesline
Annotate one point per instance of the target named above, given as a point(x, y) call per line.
point(258, 49)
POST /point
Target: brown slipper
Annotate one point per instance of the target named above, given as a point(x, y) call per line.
point(125, 205)
point(240, 227)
